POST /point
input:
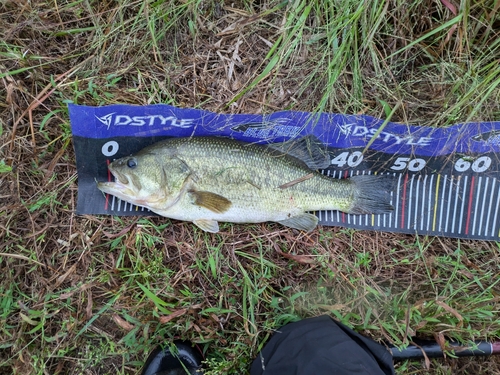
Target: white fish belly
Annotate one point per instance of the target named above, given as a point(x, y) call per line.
point(187, 211)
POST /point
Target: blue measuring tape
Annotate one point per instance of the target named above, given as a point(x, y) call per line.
point(447, 178)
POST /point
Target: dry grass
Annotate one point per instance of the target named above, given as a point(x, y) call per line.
point(93, 295)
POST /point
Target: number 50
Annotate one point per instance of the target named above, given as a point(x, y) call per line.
point(413, 165)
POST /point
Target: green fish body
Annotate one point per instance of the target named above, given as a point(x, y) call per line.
point(208, 180)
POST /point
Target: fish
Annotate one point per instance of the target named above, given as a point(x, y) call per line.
point(207, 180)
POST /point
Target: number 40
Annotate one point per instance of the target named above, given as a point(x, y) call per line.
point(352, 159)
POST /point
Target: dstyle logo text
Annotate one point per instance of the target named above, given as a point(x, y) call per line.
point(151, 120)
point(386, 137)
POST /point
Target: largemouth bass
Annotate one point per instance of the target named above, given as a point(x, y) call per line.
point(208, 180)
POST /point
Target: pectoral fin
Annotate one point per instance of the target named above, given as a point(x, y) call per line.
point(306, 222)
point(211, 201)
point(207, 225)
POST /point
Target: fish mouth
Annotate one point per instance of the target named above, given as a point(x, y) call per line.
point(120, 188)
point(114, 188)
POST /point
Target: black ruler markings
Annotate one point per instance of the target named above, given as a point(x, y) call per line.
point(497, 205)
point(435, 204)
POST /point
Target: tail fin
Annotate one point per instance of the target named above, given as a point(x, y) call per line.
point(372, 194)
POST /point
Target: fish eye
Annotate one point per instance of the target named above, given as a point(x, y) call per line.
point(132, 163)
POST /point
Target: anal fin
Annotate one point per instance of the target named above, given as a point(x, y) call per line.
point(305, 221)
point(211, 226)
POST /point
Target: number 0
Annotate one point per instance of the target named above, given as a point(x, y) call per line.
point(481, 164)
point(355, 159)
point(110, 148)
point(416, 165)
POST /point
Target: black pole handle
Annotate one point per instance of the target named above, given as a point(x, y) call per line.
point(433, 350)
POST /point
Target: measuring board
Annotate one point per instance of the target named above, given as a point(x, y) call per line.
point(447, 180)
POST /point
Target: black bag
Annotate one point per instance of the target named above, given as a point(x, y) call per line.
point(321, 346)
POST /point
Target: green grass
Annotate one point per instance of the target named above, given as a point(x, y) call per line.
point(81, 294)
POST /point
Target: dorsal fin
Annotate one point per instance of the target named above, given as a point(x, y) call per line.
point(308, 149)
